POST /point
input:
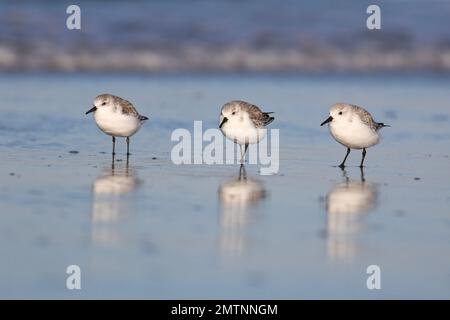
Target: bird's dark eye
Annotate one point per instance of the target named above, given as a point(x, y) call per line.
point(234, 112)
point(340, 113)
point(104, 104)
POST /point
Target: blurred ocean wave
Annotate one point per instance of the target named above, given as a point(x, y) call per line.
point(225, 36)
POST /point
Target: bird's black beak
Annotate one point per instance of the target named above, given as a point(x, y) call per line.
point(223, 122)
point(92, 109)
point(329, 119)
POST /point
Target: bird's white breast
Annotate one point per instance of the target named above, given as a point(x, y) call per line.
point(353, 134)
point(243, 131)
point(116, 123)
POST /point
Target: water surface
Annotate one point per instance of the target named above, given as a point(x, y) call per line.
point(156, 230)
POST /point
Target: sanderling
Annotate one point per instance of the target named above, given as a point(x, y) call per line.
point(243, 123)
point(353, 127)
point(116, 117)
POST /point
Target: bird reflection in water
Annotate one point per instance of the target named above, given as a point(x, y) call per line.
point(238, 198)
point(347, 204)
point(112, 201)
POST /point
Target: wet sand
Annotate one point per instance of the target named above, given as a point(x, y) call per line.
point(157, 230)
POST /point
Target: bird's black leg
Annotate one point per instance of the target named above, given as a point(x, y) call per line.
point(245, 150)
point(363, 157)
point(243, 154)
point(114, 145)
point(342, 165)
point(128, 146)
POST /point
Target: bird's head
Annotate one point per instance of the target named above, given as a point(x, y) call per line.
point(231, 111)
point(102, 101)
point(338, 112)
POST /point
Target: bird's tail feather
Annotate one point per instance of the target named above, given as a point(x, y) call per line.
point(269, 121)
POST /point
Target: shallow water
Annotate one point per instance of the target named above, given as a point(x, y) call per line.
point(157, 230)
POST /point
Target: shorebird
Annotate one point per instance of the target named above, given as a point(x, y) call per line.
point(353, 127)
point(116, 117)
point(244, 123)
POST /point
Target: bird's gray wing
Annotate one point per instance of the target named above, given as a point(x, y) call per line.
point(127, 106)
point(258, 117)
point(366, 118)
